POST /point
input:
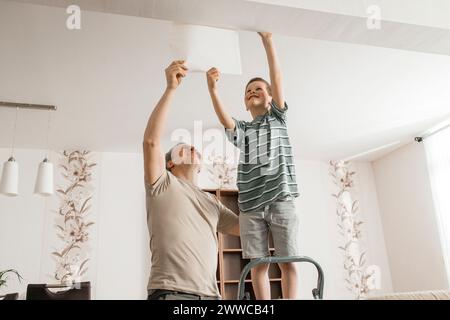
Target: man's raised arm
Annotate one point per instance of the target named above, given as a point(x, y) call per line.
point(154, 162)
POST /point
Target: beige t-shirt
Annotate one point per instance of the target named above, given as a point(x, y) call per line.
point(182, 223)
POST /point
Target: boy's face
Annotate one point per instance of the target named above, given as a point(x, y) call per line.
point(256, 95)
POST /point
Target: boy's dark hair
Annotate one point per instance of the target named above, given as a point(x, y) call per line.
point(269, 90)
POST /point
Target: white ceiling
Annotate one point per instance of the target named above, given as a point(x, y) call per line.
point(415, 25)
point(431, 13)
point(345, 99)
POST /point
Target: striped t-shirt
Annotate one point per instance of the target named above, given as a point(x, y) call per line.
point(266, 170)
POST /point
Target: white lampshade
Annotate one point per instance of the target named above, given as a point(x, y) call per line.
point(10, 178)
point(44, 179)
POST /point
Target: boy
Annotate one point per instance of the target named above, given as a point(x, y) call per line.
point(266, 174)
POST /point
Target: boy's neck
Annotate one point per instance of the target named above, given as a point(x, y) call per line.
point(256, 112)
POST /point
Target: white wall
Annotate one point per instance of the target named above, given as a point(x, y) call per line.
point(119, 240)
point(409, 220)
point(22, 224)
point(373, 240)
point(123, 251)
point(320, 237)
point(120, 247)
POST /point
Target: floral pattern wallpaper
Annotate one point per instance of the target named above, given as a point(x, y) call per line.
point(222, 171)
point(73, 222)
point(358, 276)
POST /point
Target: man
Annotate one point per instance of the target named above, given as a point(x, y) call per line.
point(182, 219)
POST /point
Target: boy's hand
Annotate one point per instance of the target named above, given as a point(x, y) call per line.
point(265, 35)
point(174, 73)
point(212, 76)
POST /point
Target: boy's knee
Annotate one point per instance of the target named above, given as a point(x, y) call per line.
point(261, 268)
point(290, 267)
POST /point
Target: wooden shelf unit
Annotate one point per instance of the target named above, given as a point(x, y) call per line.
point(230, 261)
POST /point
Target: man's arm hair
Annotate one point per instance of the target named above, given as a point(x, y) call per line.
point(154, 162)
point(234, 231)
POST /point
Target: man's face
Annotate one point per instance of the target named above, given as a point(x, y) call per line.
point(185, 154)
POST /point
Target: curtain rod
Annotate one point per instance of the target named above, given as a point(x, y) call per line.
point(27, 106)
point(423, 137)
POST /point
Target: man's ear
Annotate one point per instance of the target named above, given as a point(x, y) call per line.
point(170, 164)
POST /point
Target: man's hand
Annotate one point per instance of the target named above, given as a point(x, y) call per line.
point(212, 76)
point(175, 72)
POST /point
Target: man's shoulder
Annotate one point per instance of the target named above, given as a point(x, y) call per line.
point(209, 196)
point(211, 200)
point(161, 184)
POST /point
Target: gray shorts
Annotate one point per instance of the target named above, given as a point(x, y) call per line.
point(281, 219)
point(157, 294)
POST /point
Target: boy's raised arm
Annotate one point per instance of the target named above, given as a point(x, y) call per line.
point(225, 119)
point(154, 162)
point(274, 69)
